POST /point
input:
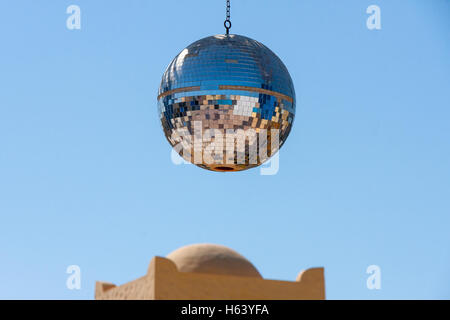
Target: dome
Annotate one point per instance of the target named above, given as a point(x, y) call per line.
point(227, 82)
point(212, 258)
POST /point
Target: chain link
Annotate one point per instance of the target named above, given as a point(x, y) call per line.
point(227, 22)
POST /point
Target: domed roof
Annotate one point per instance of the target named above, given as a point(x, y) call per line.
point(227, 60)
point(212, 258)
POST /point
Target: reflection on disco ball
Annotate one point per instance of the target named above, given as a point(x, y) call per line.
point(222, 85)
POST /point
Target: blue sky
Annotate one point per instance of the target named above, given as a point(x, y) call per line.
point(86, 176)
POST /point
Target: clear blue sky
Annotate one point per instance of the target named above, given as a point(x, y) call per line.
point(86, 176)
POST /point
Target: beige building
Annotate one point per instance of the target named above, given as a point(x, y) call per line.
point(212, 272)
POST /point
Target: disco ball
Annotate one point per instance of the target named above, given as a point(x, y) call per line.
point(221, 85)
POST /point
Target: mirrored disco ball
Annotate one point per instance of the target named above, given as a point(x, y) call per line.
point(224, 85)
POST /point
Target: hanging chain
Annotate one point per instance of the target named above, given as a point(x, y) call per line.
point(227, 22)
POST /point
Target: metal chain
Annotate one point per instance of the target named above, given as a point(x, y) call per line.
point(227, 22)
